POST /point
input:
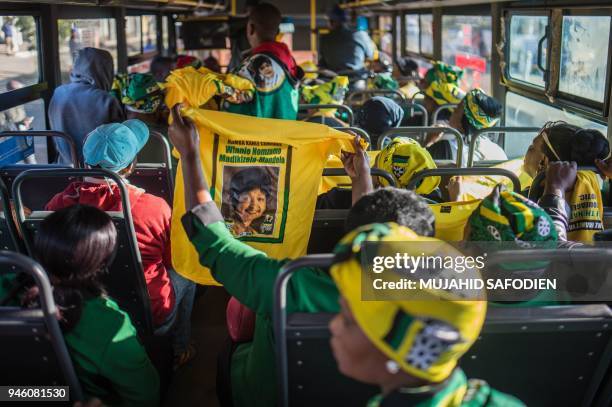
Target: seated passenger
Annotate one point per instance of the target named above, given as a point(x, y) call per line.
point(143, 99)
point(560, 141)
point(477, 111)
point(183, 61)
point(441, 87)
point(377, 115)
point(249, 275)
point(85, 103)
point(114, 147)
point(409, 349)
point(160, 67)
point(270, 66)
point(331, 92)
point(75, 246)
point(402, 159)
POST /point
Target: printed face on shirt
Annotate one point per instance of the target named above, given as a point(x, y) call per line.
point(251, 205)
point(266, 70)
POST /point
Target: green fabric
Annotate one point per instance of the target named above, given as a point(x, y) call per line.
point(442, 72)
point(108, 358)
point(249, 275)
point(384, 81)
point(138, 92)
point(281, 103)
point(474, 113)
point(477, 394)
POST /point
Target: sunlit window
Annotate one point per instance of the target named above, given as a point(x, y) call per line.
point(525, 33)
point(18, 52)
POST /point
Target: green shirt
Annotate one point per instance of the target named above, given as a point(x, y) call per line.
point(109, 361)
point(249, 275)
point(108, 358)
point(476, 393)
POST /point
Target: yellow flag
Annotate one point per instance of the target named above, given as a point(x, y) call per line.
point(480, 186)
point(334, 161)
point(451, 218)
point(264, 175)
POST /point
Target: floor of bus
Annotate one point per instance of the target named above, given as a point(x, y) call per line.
point(194, 383)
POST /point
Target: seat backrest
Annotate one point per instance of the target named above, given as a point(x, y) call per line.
point(125, 281)
point(327, 230)
point(35, 195)
point(9, 237)
point(32, 348)
point(153, 171)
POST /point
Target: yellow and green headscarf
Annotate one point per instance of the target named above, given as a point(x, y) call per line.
point(425, 337)
point(403, 158)
point(506, 216)
point(474, 112)
point(138, 92)
point(328, 92)
point(443, 83)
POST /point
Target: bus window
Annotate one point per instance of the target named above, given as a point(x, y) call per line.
point(426, 33)
point(525, 112)
point(30, 116)
point(398, 36)
point(18, 52)
point(133, 35)
point(81, 33)
point(412, 33)
point(149, 33)
point(466, 42)
point(385, 26)
point(525, 33)
point(584, 56)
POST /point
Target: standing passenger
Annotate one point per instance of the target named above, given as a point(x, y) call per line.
point(271, 67)
point(85, 103)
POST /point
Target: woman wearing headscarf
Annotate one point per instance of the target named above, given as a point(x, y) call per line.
point(331, 92)
point(476, 111)
point(441, 87)
point(408, 347)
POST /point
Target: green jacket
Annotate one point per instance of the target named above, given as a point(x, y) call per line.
point(476, 393)
point(110, 362)
point(249, 275)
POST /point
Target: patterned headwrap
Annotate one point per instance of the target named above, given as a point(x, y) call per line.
point(443, 83)
point(506, 216)
point(403, 158)
point(441, 72)
point(473, 109)
point(424, 336)
point(328, 92)
point(138, 92)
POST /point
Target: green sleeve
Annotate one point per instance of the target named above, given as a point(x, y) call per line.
point(126, 365)
point(246, 273)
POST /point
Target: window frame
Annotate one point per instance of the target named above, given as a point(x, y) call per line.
point(136, 59)
point(420, 54)
point(531, 13)
point(600, 107)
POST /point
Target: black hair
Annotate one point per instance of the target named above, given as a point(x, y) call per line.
point(74, 245)
point(571, 143)
point(246, 180)
point(402, 206)
point(408, 67)
point(266, 18)
point(161, 67)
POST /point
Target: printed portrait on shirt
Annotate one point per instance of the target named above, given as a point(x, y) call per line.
point(250, 199)
point(266, 74)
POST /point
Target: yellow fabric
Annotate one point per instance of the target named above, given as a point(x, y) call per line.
point(478, 187)
point(403, 157)
point(333, 161)
point(445, 92)
point(310, 70)
point(451, 218)
point(420, 309)
point(586, 206)
point(195, 88)
point(230, 143)
point(331, 92)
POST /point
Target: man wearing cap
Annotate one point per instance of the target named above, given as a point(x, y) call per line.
point(114, 147)
point(344, 49)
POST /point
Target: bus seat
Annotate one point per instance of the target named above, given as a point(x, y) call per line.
point(35, 194)
point(327, 230)
point(153, 171)
point(125, 281)
point(32, 346)
point(9, 237)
